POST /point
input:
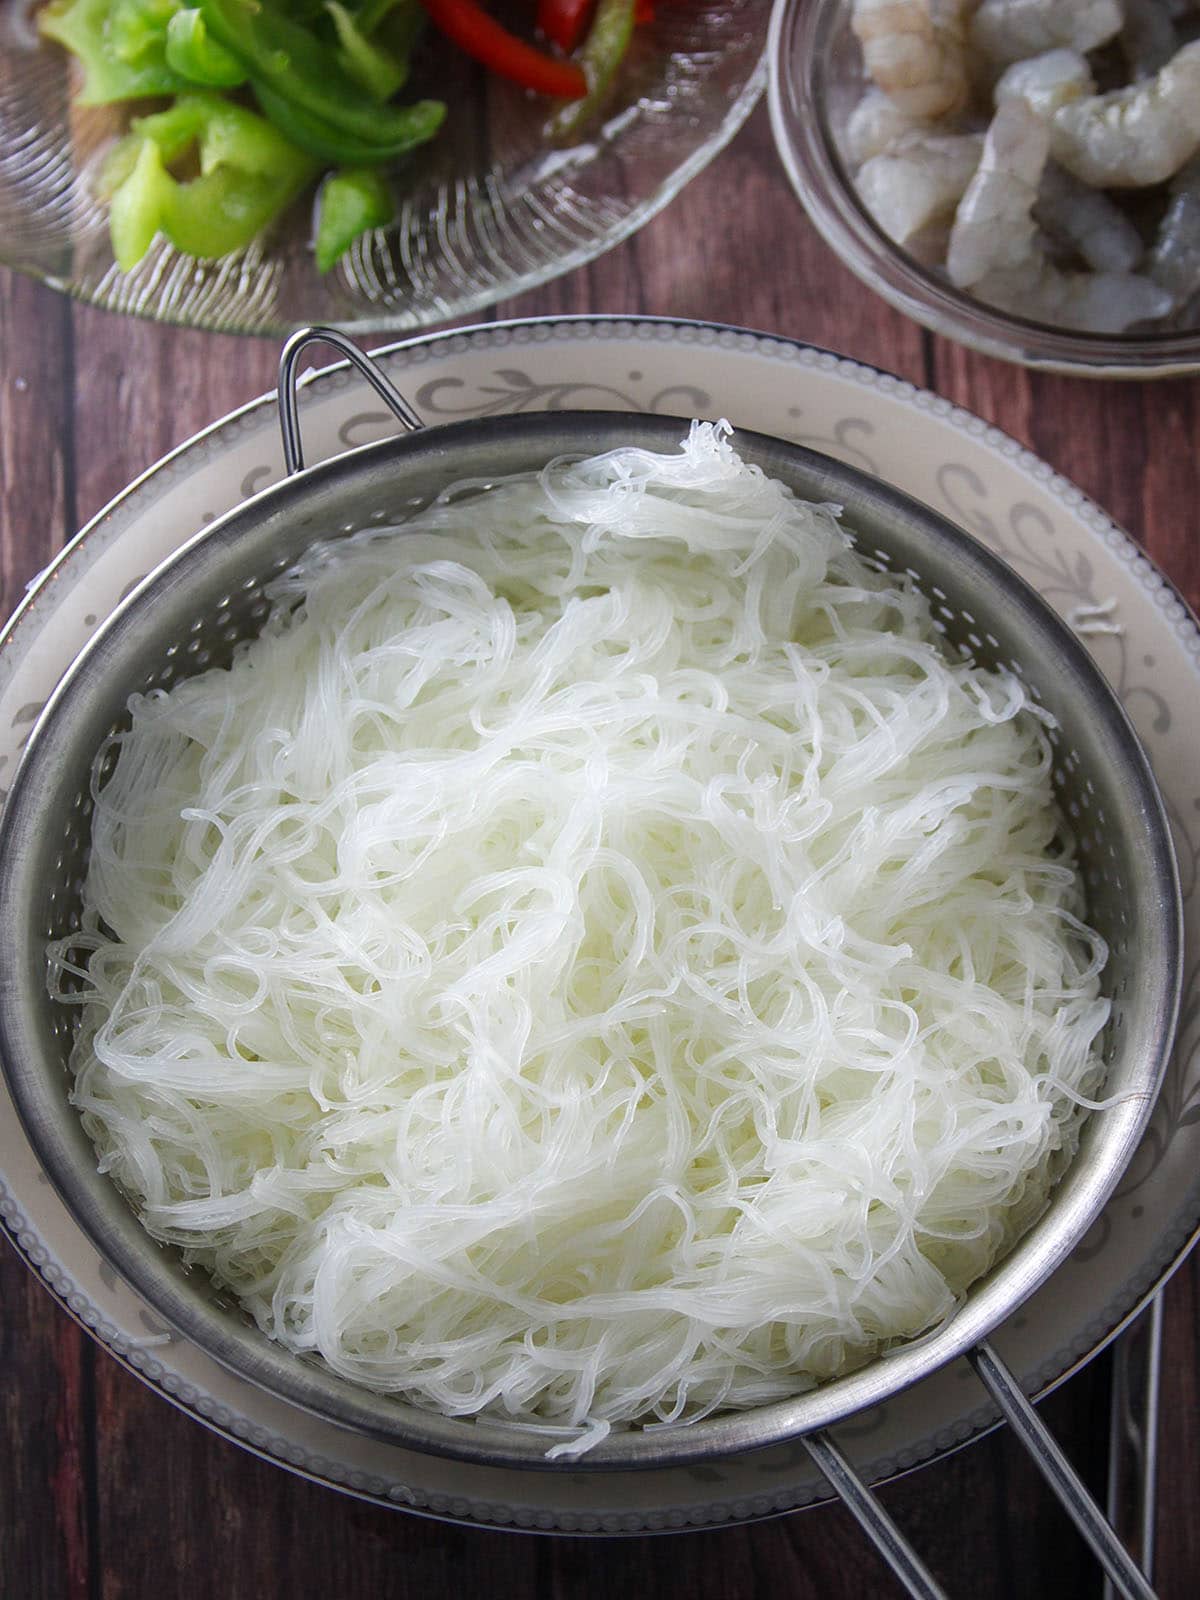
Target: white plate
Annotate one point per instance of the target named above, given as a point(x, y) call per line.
point(1142, 634)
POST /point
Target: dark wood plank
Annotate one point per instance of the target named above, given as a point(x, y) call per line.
point(46, 1530)
point(141, 390)
point(1178, 1526)
point(45, 1361)
point(35, 431)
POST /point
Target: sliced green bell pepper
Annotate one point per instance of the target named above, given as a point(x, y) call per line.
point(293, 65)
point(351, 202)
point(196, 56)
point(379, 72)
point(333, 144)
point(371, 13)
point(248, 174)
point(121, 46)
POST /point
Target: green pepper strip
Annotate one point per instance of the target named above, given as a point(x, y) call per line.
point(293, 64)
point(83, 27)
point(379, 72)
point(352, 202)
point(248, 174)
point(601, 54)
point(194, 55)
point(371, 13)
point(400, 27)
point(329, 143)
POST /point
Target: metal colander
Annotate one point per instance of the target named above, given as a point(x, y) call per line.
point(188, 615)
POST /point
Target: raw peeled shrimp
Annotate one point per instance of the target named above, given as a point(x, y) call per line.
point(915, 50)
point(875, 124)
point(994, 228)
point(1011, 30)
point(1087, 221)
point(1047, 81)
point(1090, 302)
point(1174, 260)
point(918, 182)
point(1148, 37)
point(1135, 136)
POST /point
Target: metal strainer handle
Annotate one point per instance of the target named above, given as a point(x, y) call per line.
point(289, 409)
point(1119, 1566)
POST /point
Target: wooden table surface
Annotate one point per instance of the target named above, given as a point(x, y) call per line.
point(108, 1493)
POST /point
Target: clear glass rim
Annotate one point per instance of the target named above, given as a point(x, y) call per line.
point(397, 321)
point(799, 48)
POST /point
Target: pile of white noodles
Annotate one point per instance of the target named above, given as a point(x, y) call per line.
point(594, 958)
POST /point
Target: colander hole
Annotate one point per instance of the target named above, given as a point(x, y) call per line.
point(967, 617)
point(231, 635)
point(938, 594)
point(197, 626)
point(249, 583)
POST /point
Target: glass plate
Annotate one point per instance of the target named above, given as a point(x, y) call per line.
point(1143, 638)
point(489, 209)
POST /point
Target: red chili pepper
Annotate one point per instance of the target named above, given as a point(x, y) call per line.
point(563, 21)
point(643, 12)
point(483, 38)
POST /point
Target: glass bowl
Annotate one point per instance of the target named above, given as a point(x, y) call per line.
point(487, 210)
point(815, 79)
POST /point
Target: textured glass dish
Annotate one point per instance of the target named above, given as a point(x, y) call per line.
point(815, 80)
point(489, 209)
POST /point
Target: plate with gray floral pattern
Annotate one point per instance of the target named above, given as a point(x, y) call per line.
point(1142, 635)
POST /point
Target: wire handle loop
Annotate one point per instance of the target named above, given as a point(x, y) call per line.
point(872, 1518)
point(289, 407)
point(1120, 1569)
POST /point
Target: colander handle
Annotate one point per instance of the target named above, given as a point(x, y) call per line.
point(289, 407)
point(872, 1518)
point(1119, 1566)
